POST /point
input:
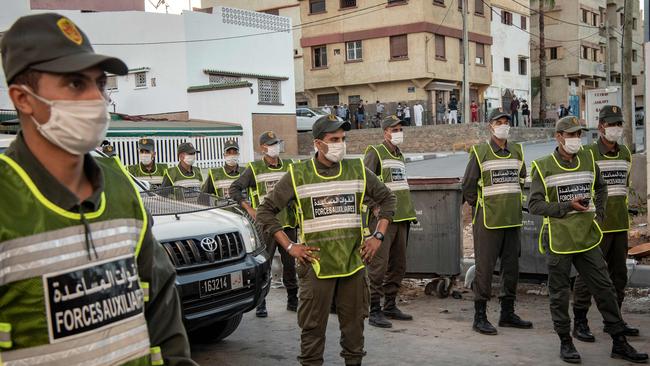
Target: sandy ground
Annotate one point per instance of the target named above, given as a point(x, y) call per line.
point(441, 334)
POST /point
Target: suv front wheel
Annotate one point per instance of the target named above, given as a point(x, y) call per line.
point(217, 331)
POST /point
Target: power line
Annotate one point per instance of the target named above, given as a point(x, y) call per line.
point(355, 13)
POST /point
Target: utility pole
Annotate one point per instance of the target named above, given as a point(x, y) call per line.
point(608, 60)
point(628, 92)
point(542, 65)
point(466, 113)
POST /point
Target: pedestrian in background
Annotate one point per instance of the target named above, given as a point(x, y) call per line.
point(561, 191)
point(347, 113)
point(453, 110)
point(493, 185)
point(440, 111)
point(399, 111)
point(361, 114)
point(379, 107)
point(474, 109)
point(327, 109)
point(525, 111)
point(418, 110)
point(514, 111)
point(407, 115)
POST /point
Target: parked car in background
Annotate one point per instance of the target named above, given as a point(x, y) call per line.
point(5, 141)
point(306, 116)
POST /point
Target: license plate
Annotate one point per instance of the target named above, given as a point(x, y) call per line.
point(221, 284)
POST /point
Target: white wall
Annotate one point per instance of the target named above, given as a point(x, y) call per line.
point(210, 104)
point(512, 42)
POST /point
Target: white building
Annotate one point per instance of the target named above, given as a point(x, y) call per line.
point(510, 54)
point(231, 66)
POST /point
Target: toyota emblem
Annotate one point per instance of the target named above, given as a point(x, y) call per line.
point(208, 244)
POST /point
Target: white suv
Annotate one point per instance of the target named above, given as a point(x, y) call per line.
point(306, 116)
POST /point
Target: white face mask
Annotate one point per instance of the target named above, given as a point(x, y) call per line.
point(232, 160)
point(189, 159)
point(273, 151)
point(613, 134)
point(396, 138)
point(572, 145)
point(76, 126)
point(146, 158)
point(502, 132)
point(335, 151)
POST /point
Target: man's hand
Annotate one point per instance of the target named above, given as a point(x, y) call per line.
point(252, 212)
point(577, 206)
point(303, 253)
point(369, 248)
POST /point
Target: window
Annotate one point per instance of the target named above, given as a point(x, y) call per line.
point(269, 91)
point(594, 19)
point(441, 53)
point(524, 24)
point(506, 17)
point(594, 54)
point(439, 2)
point(480, 54)
point(585, 52)
point(478, 7)
point(319, 57)
point(548, 82)
point(223, 79)
point(523, 66)
point(317, 6)
point(634, 56)
point(506, 64)
point(622, 19)
point(111, 83)
point(585, 15)
point(633, 23)
point(354, 51)
point(399, 47)
point(634, 80)
point(329, 99)
point(589, 83)
point(140, 79)
point(396, 1)
point(553, 53)
point(348, 4)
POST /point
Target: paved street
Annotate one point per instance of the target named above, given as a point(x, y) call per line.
point(440, 335)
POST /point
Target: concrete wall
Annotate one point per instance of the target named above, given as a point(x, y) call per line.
point(638, 181)
point(428, 138)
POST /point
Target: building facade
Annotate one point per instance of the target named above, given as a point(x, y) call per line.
point(284, 8)
point(510, 24)
point(583, 51)
point(399, 51)
point(197, 66)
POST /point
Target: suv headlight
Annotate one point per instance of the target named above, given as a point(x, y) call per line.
point(250, 236)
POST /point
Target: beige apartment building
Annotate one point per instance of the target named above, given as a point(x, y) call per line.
point(581, 37)
point(392, 51)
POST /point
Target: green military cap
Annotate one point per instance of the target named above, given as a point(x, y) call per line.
point(109, 150)
point(390, 121)
point(50, 42)
point(146, 144)
point(610, 114)
point(327, 124)
point(187, 147)
point(269, 138)
point(569, 124)
point(498, 113)
point(230, 144)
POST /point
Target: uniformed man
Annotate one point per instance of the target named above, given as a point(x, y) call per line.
point(259, 179)
point(95, 287)
point(329, 192)
point(561, 191)
point(387, 269)
point(615, 162)
point(492, 185)
point(108, 149)
point(185, 174)
point(147, 169)
point(220, 179)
